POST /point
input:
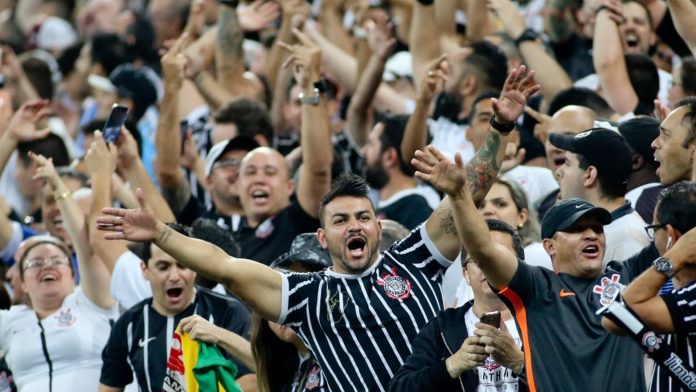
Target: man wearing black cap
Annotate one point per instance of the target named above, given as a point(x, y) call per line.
point(643, 184)
point(596, 169)
point(565, 346)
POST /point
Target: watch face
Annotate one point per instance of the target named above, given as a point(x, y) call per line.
point(664, 265)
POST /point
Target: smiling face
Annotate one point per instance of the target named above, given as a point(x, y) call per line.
point(264, 184)
point(579, 249)
point(171, 283)
point(47, 286)
point(675, 159)
point(636, 33)
point(351, 232)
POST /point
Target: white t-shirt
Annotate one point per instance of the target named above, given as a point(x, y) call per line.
point(75, 336)
point(128, 285)
point(535, 254)
point(625, 237)
point(494, 377)
point(450, 138)
point(592, 82)
point(537, 182)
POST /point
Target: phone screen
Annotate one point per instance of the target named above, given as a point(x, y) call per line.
point(491, 318)
point(113, 124)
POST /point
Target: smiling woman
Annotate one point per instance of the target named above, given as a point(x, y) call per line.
point(54, 344)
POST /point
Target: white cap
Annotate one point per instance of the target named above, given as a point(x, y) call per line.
point(55, 33)
point(398, 66)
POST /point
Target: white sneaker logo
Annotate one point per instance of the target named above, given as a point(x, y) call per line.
point(142, 343)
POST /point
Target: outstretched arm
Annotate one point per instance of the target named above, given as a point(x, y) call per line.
point(497, 263)
point(683, 13)
point(254, 283)
point(483, 168)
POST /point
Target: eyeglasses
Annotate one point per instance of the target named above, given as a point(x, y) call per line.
point(40, 263)
point(651, 229)
point(228, 164)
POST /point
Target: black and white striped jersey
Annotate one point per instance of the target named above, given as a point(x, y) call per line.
point(682, 307)
point(141, 339)
point(360, 327)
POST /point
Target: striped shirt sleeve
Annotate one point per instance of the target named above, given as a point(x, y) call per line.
point(682, 307)
point(298, 289)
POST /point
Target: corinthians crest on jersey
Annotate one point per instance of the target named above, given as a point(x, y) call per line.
point(395, 286)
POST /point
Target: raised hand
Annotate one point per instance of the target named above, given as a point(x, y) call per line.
point(514, 96)
point(510, 16)
point(127, 150)
point(257, 15)
point(541, 129)
point(196, 19)
point(174, 62)
point(101, 158)
point(380, 37)
point(661, 110)
point(45, 170)
point(305, 58)
point(138, 225)
point(434, 79)
point(24, 124)
point(433, 167)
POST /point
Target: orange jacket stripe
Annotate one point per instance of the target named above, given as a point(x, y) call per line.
point(521, 318)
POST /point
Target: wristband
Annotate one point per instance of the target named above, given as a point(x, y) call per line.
point(504, 129)
point(527, 35)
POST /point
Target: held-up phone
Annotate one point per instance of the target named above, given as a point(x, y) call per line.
point(113, 124)
point(491, 318)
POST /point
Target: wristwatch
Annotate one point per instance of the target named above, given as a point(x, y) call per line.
point(665, 266)
point(527, 35)
point(504, 129)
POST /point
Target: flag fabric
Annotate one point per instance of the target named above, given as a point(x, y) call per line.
point(194, 366)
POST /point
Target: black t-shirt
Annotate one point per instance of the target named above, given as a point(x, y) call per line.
point(669, 35)
point(274, 236)
point(140, 341)
point(566, 347)
point(410, 210)
point(575, 56)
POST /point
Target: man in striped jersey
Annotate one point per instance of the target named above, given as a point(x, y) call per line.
point(672, 313)
point(359, 317)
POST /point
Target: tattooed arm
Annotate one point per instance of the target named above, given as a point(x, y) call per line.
point(483, 168)
point(229, 56)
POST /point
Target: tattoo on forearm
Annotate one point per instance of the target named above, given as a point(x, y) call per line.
point(483, 168)
point(165, 235)
point(447, 225)
point(230, 35)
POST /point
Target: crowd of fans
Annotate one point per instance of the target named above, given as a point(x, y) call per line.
point(348, 195)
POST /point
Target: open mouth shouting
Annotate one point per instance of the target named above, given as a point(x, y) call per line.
point(591, 251)
point(175, 294)
point(259, 196)
point(356, 247)
point(48, 277)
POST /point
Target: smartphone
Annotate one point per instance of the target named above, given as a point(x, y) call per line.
point(183, 129)
point(491, 318)
point(113, 124)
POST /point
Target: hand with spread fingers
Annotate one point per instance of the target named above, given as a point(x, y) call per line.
point(257, 15)
point(434, 80)
point(305, 58)
point(515, 95)
point(500, 345)
point(470, 355)
point(433, 167)
point(24, 124)
point(138, 225)
point(201, 329)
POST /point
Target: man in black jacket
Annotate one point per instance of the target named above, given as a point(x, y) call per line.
point(493, 354)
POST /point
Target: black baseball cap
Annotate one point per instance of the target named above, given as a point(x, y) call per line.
point(602, 148)
point(305, 250)
point(564, 214)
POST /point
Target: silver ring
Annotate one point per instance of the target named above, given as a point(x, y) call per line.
point(431, 73)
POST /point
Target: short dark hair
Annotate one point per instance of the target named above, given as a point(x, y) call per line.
point(479, 98)
point(52, 146)
point(645, 8)
point(144, 249)
point(249, 116)
point(644, 78)
point(39, 74)
point(347, 184)
point(498, 225)
point(688, 75)
point(689, 119)
point(580, 96)
point(608, 187)
point(108, 50)
point(676, 206)
point(489, 64)
point(393, 134)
